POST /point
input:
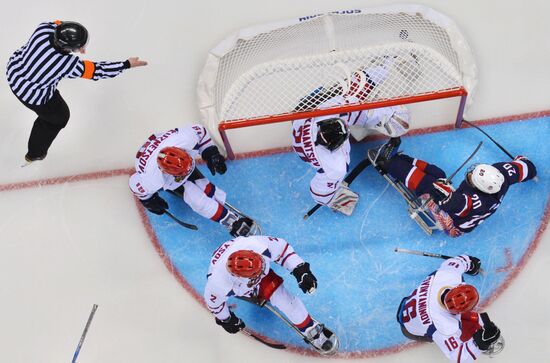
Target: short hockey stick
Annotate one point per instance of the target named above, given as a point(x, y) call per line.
point(429, 254)
point(490, 138)
point(263, 341)
point(256, 301)
point(348, 180)
point(421, 253)
point(423, 205)
point(181, 223)
point(81, 342)
point(269, 307)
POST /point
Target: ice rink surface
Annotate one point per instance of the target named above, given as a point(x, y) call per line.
point(72, 235)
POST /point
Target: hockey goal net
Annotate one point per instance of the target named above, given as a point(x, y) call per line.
point(284, 71)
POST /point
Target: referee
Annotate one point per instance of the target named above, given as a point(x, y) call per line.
point(35, 69)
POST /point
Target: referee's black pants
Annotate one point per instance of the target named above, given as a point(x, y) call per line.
point(52, 117)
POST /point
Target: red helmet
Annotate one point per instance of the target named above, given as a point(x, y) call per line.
point(461, 299)
point(245, 263)
point(175, 161)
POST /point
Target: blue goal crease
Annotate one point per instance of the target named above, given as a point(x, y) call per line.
point(361, 278)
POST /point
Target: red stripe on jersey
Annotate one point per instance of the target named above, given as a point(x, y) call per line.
point(304, 324)
point(218, 309)
point(321, 195)
point(520, 166)
point(283, 253)
point(219, 212)
point(204, 143)
point(467, 207)
point(284, 260)
point(414, 178)
point(459, 353)
point(420, 164)
point(469, 351)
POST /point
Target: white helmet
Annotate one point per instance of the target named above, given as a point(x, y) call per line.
point(486, 178)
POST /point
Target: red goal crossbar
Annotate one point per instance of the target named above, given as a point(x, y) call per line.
point(235, 124)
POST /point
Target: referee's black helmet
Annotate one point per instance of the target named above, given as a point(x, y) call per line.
point(70, 36)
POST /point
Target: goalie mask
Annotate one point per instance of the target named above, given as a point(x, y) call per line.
point(175, 161)
point(486, 178)
point(332, 133)
point(245, 263)
point(461, 298)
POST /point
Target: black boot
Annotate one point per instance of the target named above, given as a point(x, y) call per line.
point(381, 156)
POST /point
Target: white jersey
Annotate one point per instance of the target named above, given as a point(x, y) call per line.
point(148, 178)
point(221, 284)
point(332, 166)
point(423, 313)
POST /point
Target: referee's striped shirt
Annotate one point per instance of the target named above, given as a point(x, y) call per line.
point(35, 69)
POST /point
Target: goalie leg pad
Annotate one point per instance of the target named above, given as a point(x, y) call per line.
point(344, 200)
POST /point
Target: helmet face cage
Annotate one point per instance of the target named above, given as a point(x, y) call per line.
point(496, 347)
point(485, 178)
point(332, 133)
point(70, 36)
point(175, 161)
point(461, 298)
point(245, 263)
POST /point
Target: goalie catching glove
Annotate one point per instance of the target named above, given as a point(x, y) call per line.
point(442, 191)
point(214, 160)
point(344, 200)
point(232, 325)
point(306, 280)
point(155, 204)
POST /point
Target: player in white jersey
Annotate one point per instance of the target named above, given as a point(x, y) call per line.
point(242, 267)
point(323, 141)
point(440, 310)
point(167, 161)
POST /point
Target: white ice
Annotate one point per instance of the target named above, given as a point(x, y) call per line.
point(67, 246)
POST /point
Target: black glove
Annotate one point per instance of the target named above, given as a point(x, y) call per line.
point(241, 227)
point(475, 265)
point(487, 334)
point(232, 324)
point(155, 204)
point(441, 191)
point(214, 160)
point(306, 280)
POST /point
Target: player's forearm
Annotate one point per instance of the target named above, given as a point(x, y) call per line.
point(283, 253)
point(216, 303)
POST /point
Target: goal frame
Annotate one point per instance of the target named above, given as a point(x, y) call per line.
point(462, 88)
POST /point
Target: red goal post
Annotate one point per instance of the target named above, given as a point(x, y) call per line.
point(284, 71)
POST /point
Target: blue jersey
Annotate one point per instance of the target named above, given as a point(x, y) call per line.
point(469, 207)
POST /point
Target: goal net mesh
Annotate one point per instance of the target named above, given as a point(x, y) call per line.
point(269, 73)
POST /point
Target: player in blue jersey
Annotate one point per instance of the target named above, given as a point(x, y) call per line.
point(462, 209)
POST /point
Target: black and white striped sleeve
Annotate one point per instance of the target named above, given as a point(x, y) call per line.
point(97, 70)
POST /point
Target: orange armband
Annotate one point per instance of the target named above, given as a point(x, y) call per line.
point(89, 69)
